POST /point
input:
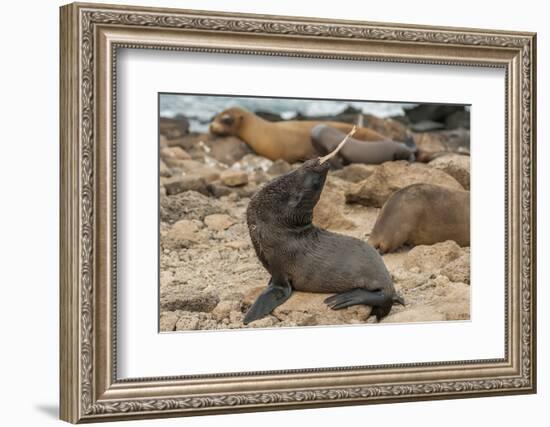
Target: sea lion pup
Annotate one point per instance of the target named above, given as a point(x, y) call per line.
point(288, 140)
point(422, 214)
point(325, 139)
point(300, 256)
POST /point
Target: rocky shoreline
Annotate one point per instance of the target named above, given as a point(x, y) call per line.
point(209, 273)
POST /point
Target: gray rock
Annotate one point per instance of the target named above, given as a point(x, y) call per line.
point(180, 184)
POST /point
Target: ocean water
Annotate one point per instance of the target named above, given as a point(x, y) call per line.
point(200, 109)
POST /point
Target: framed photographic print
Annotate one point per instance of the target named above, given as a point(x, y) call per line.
point(267, 212)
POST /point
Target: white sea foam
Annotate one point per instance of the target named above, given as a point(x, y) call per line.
point(200, 109)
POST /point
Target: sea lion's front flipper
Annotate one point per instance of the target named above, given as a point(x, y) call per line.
point(380, 302)
point(277, 292)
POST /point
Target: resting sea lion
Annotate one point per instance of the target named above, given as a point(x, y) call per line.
point(422, 214)
point(325, 139)
point(288, 140)
point(300, 256)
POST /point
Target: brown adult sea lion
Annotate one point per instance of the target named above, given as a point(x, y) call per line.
point(300, 256)
point(422, 214)
point(325, 139)
point(288, 140)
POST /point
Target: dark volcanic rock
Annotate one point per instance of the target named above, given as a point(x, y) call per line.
point(269, 116)
point(458, 119)
point(427, 126)
point(433, 112)
point(174, 128)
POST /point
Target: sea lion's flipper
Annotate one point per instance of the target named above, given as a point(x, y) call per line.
point(277, 292)
point(378, 300)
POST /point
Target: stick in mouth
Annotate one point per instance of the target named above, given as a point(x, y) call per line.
point(333, 153)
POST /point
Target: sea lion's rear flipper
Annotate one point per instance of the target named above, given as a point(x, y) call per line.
point(277, 292)
point(380, 302)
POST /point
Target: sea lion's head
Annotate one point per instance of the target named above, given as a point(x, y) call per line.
point(289, 199)
point(228, 122)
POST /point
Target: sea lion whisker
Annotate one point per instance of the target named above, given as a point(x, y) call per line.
point(333, 153)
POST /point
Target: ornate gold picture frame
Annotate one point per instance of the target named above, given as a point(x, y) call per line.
point(90, 37)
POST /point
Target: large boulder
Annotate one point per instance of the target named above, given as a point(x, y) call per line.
point(329, 211)
point(456, 165)
point(390, 177)
point(355, 172)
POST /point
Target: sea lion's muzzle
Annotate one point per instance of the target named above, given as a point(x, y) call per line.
point(217, 129)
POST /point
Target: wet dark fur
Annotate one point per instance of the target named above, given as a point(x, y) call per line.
point(303, 257)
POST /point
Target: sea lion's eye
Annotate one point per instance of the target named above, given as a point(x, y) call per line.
point(227, 120)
